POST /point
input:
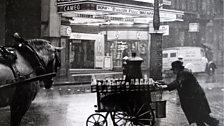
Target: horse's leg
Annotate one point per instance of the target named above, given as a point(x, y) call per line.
point(20, 104)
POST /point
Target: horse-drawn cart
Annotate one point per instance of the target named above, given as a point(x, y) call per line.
point(137, 103)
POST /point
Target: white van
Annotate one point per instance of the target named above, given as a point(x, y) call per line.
point(193, 58)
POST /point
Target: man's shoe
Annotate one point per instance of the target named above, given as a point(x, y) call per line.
point(215, 122)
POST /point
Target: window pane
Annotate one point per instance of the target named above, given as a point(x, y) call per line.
point(172, 54)
point(165, 55)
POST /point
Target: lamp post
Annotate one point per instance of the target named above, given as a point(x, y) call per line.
point(155, 48)
point(156, 17)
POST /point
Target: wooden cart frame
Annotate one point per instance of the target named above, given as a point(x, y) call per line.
point(127, 104)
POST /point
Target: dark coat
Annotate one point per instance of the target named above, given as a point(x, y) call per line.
point(192, 97)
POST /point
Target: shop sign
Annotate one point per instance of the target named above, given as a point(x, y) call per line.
point(75, 7)
point(123, 10)
point(84, 36)
point(164, 29)
point(72, 7)
point(167, 2)
point(193, 27)
point(99, 61)
point(147, 1)
point(65, 30)
point(108, 62)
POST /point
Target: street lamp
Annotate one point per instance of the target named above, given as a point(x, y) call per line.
point(156, 17)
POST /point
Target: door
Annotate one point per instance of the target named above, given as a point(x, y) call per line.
point(82, 54)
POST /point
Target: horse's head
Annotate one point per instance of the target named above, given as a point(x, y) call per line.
point(49, 55)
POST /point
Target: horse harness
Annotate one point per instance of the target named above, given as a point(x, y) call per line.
point(8, 57)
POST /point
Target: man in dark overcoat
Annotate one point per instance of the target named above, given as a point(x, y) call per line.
point(192, 97)
point(134, 67)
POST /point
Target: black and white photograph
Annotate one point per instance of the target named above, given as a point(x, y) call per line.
point(111, 63)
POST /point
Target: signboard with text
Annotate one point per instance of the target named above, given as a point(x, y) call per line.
point(72, 6)
point(75, 7)
point(123, 10)
point(193, 27)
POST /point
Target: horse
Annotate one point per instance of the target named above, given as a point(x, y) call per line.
point(20, 97)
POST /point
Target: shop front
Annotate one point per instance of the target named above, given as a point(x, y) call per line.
point(124, 28)
point(86, 51)
point(122, 43)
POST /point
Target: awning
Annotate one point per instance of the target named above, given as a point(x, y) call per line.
point(104, 12)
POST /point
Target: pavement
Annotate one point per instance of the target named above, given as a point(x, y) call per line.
point(71, 105)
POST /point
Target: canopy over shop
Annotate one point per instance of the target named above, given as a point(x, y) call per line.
point(120, 29)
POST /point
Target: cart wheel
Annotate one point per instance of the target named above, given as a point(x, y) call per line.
point(96, 120)
point(134, 116)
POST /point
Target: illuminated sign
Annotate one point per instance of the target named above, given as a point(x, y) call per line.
point(75, 7)
point(123, 10)
point(170, 15)
point(147, 1)
point(165, 2)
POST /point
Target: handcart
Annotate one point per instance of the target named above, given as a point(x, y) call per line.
point(135, 103)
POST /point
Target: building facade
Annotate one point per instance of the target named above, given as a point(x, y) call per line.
point(96, 33)
point(102, 30)
point(202, 25)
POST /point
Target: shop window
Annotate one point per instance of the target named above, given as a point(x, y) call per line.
point(81, 54)
point(119, 49)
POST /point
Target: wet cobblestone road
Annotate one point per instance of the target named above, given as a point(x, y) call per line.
point(66, 106)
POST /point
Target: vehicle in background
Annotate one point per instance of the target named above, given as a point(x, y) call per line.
point(193, 58)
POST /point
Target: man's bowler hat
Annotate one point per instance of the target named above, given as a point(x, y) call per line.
point(177, 64)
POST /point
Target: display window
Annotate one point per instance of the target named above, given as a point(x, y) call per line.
point(81, 54)
point(119, 49)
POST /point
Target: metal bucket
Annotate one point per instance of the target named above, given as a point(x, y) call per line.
point(160, 109)
point(156, 96)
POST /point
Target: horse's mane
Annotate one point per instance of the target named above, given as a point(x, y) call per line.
point(43, 47)
point(40, 44)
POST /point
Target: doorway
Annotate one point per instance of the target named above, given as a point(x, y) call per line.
point(82, 54)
